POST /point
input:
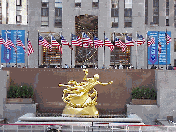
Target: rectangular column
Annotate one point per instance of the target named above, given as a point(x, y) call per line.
point(12, 12)
point(4, 12)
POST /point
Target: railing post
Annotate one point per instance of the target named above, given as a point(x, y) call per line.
point(112, 128)
point(85, 128)
point(31, 128)
point(72, 128)
point(44, 128)
point(3, 128)
point(17, 128)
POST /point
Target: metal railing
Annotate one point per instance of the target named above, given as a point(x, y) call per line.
point(79, 128)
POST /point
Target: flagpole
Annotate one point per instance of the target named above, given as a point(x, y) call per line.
point(6, 47)
point(147, 51)
point(158, 50)
point(125, 56)
point(104, 50)
point(166, 48)
point(38, 48)
point(136, 52)
point(114, 49)
point(61, 50)
point(71, 50)
point(27, 50)
point(93, 50)
point(82, 50)
point(16, 47)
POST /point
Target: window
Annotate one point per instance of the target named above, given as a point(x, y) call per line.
point(174, 44)
point(95, 3)
point(18, 18)
point(45, 13)
point(77, 3)
point(58, 13)
point(128, 13)
point(114, 13)
point(128, 3)
point(155, 12)
point(146, 11)
point(167, 22)
point(114, 22)
point(174, 62)
point(18, 2)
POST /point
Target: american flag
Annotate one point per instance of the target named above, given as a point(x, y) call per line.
point(19, 43)
point(159, 47)
point(168, 39)
point(140, 40)
point(98, 42)
point(109, 44)
point(74, 40)
point(44, 43)
point(64, 41)
point(122, 45)
point(152, 41)
point(10, 43)
point(117, 42)
point(30, 49)
point(79, 40)
point(86, 40)
point(129, 41)
point(55, 43)
point(2, 41)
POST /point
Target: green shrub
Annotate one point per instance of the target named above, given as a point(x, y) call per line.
point(143, 93)
point(18, 91)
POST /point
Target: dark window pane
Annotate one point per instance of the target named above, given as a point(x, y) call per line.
point(174, 62)
point(77, 4)
point(114, 24)
point(44, 4)
point(58, 12)
point(45, 12)
point(95, 4)
point(175, 45)
point(128, 12)
point(167, 22)
point(155, 20)
point(156, 3)
point(114, 12)
point(167, 12)
point(128, 24)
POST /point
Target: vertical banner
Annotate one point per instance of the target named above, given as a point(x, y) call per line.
point(153, 49)
point(10, 55)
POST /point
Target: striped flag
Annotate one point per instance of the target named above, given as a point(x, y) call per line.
point(168, 39)
point(2, 41)
point(19, 43)
point(79, 40)
point(64, 41)
point(30, 49)
point(44, 43)
point(117, 42)
point(55, 43)
point(140, 39)
point(10, 43)
point(86, 40)
point(98, 42)
point(75, 40)
point(128, 41)
point(159, 47)
point(122, 45)
point(109, 44)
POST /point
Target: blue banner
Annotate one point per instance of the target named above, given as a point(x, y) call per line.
point(159, 36)
point(10, 55)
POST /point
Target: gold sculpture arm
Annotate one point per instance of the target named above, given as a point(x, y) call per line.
point(104, 84)
point(73, 82)
point(68, 86)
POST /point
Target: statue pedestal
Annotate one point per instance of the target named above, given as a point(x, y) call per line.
point(89, 110)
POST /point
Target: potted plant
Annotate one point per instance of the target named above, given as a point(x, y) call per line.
point(20, 94)
point(143, 96)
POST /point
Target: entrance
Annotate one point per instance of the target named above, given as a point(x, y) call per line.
point(89, 25)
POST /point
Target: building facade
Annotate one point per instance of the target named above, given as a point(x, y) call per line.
point(66, 17)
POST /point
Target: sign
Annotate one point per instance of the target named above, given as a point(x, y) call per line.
point(10, 55)
point(159, 36)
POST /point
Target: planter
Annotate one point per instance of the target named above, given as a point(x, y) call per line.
point(143, 102)
point(19, 101)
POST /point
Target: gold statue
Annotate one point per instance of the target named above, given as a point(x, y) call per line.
point(79, 100)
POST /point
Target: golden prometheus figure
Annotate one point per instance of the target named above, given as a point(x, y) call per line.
point(78, 97)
